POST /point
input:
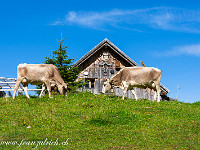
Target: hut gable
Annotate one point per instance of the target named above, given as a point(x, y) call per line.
point(103, 46)
point(102, 62)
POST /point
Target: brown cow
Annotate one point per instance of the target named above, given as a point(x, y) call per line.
point(140, 77)
point(38, 74)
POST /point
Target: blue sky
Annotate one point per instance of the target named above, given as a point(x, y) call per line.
point(163, 33)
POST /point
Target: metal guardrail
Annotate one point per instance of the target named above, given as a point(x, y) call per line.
point(8, 84)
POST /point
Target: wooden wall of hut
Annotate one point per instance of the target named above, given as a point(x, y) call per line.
point(103, 65)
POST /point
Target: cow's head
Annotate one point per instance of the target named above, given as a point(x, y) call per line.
point(107, 85)
point(62, 88)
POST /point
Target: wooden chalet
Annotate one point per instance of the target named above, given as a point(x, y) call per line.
point(102, 62)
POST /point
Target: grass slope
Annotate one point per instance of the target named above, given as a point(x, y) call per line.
point(87, 121)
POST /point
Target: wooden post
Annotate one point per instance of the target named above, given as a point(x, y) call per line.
point(177, 93)
point(143, 64)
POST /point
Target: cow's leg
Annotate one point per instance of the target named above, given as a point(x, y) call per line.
point(133, 91)
point(25, 86)
point(155, 95)
point(157, 83)
point(158, 92)
point(124, 92)
point(43, 89)
point(16, 87)
point(158, 88)
point(48, 88)
point(125, 87)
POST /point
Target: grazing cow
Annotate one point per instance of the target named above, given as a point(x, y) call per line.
point(140, 77)
point(36, 74)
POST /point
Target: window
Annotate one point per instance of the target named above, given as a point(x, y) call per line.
point(87, 85)
point(117, 64)
point(105, 56)
point(90, 84)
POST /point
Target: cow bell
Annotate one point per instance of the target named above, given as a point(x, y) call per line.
point(112, 90)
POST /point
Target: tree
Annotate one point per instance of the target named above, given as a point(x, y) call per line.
point(61, 60)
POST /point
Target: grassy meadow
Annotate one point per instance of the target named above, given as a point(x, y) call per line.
point(87, 121)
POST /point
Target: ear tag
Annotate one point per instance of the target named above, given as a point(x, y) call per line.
point(112, 90)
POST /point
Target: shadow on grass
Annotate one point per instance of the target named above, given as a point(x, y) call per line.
point(34, 96)
point(113, 118)
point(99, 122)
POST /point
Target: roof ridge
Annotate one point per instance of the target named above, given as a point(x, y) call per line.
point(114, 47)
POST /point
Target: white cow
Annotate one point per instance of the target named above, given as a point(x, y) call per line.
point(38, 74)
point(140, 77)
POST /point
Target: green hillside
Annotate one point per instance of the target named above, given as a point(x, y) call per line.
point(87, 121)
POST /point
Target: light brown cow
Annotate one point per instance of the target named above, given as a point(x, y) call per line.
point(38, 74)
point(140, 77)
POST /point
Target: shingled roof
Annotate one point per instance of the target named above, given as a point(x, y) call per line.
point(105, 42)
point(108, 43)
